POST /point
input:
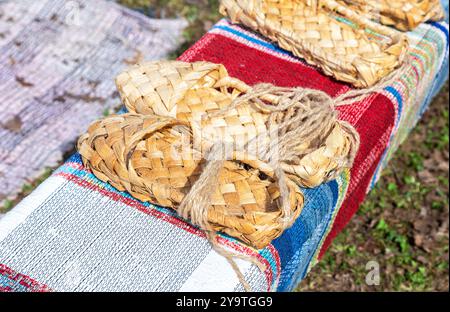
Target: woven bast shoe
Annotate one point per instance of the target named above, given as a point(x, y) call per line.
point(134, 152)
point(402, 14)
point(326, 34)
point(156, 158)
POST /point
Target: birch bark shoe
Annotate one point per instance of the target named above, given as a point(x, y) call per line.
point(403, 14)
point(327, 34)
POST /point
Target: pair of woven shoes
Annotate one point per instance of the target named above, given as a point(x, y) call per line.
point(156, 152)
point(339, 36)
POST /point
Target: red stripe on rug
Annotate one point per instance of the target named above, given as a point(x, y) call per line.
point(369, 128)
point(24, 280)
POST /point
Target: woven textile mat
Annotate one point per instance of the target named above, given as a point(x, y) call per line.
point(77, 233)
point(58, 61)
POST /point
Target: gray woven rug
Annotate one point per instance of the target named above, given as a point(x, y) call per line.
point(58, 61)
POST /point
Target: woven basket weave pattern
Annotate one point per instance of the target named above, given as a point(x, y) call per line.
point(348, 50)
point(134, 151)
point(402, 14)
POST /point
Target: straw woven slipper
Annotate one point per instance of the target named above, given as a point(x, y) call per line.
point(326, 34)
point(402, 14)
point(151, 152)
